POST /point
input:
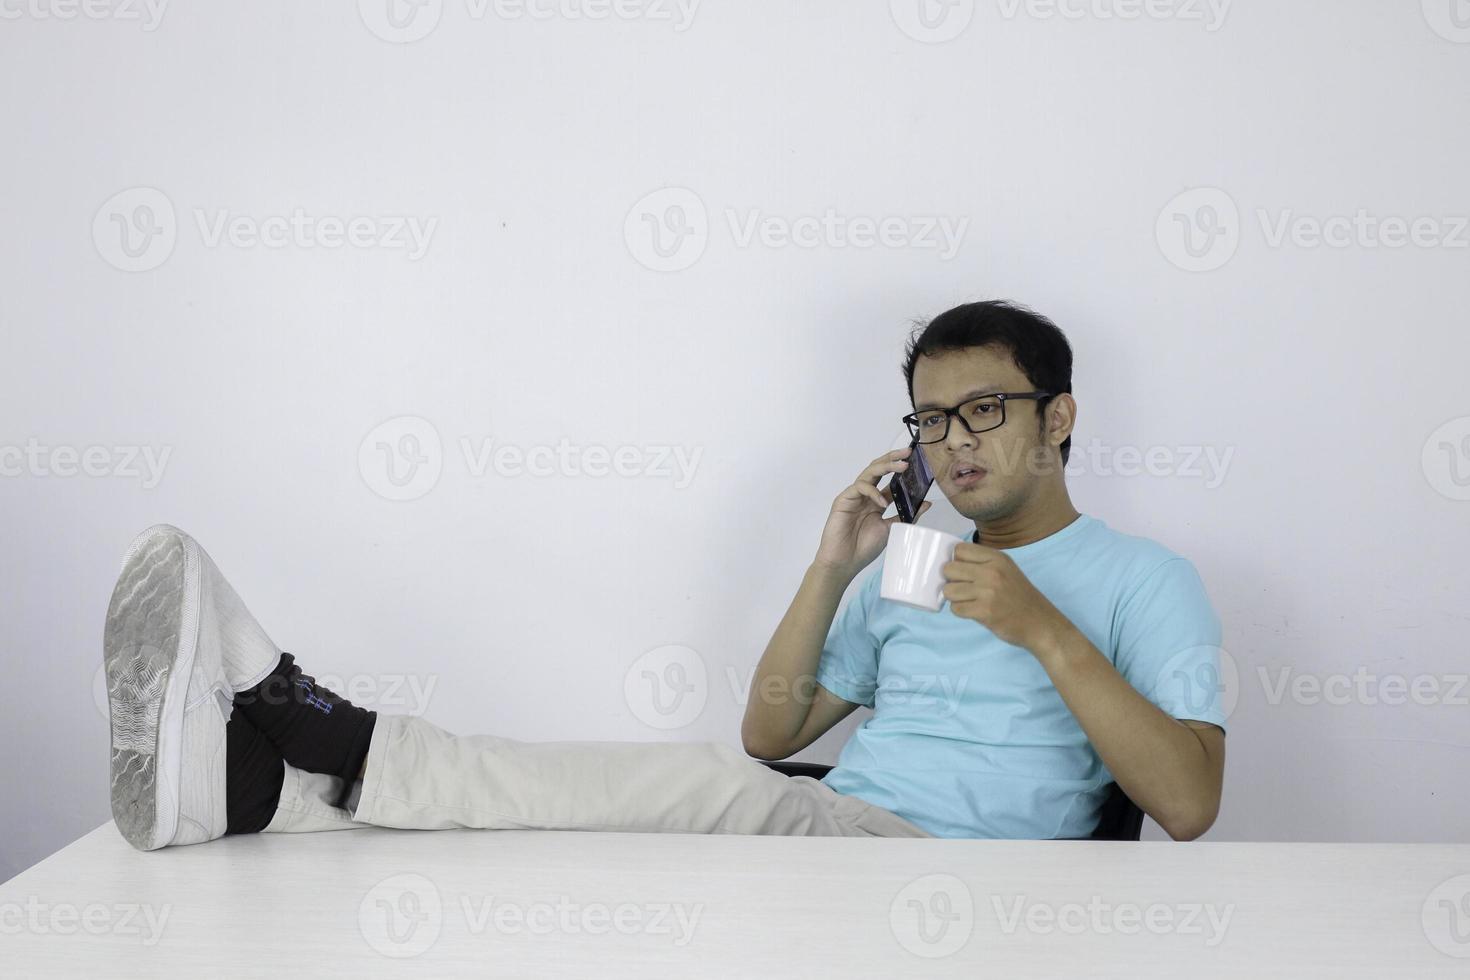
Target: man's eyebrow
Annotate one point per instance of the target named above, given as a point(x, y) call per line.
point(976, 393)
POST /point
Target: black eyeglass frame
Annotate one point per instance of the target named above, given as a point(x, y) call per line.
point(912, 419)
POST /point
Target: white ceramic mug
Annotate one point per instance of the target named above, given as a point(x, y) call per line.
point(912, 563)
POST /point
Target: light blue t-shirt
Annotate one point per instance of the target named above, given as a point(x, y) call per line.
point(968, 736)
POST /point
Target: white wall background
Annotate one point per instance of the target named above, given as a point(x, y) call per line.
point(1333, 542)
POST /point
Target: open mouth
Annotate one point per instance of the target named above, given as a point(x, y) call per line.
point(966, 474)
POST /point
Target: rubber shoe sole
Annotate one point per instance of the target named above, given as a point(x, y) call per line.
point(148, 648)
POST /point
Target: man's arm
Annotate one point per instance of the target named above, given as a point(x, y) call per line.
point(787, 709)
point(1173, 769)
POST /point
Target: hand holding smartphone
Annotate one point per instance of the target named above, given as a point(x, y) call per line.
point(911, 485)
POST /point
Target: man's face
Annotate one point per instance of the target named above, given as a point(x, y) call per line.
point(1013, 458)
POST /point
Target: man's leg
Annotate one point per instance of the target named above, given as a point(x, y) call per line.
point(316, 730)
point(254, 776)
point(422, 777)
point(417, 776)
point(172, 598)
point(187, 765)
point(264, 793)
point(308, 805)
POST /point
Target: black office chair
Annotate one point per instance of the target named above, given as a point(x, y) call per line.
point(1120, 819)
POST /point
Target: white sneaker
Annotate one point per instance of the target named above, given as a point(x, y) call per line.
point(178, 644)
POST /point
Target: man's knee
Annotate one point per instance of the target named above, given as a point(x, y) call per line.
point(739, 765)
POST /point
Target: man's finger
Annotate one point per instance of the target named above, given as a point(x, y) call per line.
point(976, 553)
point(957, 571)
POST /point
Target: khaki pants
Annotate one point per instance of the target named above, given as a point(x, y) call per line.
point(420, 777)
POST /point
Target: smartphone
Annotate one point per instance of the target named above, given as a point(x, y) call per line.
point(911, 484)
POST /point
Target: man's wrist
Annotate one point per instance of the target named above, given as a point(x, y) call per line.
point(1056, 641)
point(829, 574)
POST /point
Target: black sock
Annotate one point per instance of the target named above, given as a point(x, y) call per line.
point(313, 728)
point(255, 774)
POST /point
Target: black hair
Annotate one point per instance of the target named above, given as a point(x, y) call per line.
point(1037, 345)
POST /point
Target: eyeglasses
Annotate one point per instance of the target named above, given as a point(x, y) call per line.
point(978, 415)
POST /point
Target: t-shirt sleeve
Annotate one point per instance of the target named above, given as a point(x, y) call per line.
point(849, 663)
point(1169, 644)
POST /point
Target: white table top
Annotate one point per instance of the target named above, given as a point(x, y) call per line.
point(541, 904)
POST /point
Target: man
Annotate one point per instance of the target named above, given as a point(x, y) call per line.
point(1066, 656)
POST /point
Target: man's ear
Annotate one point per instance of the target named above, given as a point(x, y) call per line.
point(1060, 418)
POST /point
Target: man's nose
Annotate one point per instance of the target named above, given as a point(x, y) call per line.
point(960, 438)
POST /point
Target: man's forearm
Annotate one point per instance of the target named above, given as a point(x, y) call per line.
point(784, 685)
point(1161, 764)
